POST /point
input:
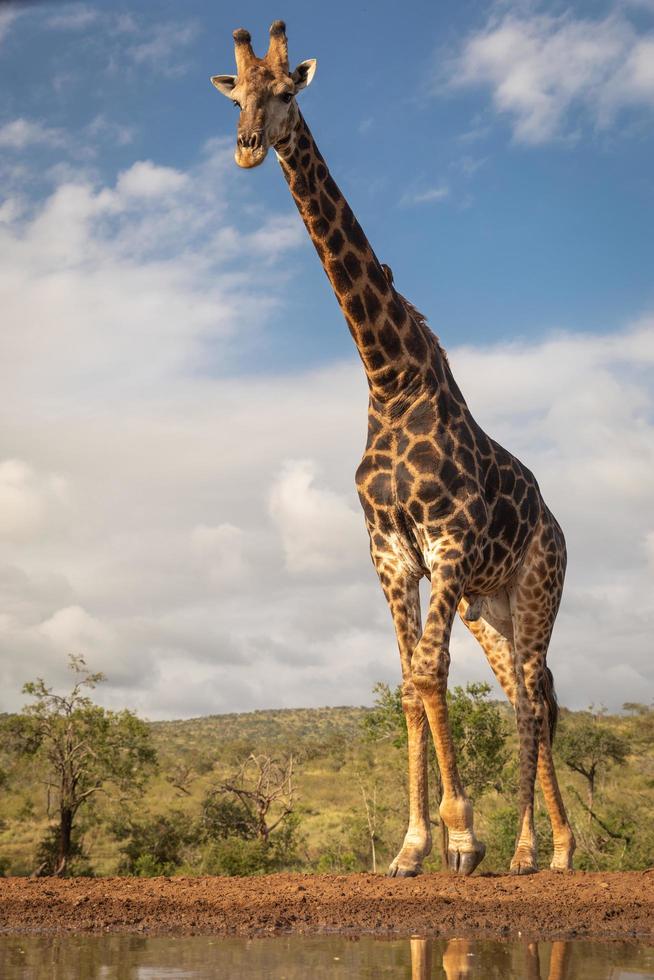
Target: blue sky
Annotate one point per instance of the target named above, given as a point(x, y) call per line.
point(531, 234)
point(186, 410)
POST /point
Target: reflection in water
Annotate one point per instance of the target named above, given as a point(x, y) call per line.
point(293, 957)
point(459, 960)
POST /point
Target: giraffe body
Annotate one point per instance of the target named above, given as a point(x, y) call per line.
point(441, 499)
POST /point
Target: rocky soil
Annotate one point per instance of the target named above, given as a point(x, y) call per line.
point(541, 906)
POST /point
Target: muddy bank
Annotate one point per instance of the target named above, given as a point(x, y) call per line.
point(545, 906)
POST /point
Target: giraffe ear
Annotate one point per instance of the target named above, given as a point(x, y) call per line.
point(304, 73)
point(224, 84)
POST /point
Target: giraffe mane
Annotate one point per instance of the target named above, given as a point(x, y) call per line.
point(421, 321)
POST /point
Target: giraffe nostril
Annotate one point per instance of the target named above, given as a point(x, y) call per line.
point(251, 141)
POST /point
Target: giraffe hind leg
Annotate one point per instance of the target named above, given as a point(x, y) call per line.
point(493, 630)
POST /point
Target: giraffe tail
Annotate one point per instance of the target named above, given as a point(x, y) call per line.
point(547, 685)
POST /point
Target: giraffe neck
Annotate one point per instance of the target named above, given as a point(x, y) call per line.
point(392, 344)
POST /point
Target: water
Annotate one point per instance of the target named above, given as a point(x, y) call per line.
point(317, 958)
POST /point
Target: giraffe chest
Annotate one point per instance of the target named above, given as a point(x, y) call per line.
point(429, 493)
point(411, 496)
point(416, 478)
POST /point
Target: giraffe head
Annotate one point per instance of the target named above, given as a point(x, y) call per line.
point(264, 91)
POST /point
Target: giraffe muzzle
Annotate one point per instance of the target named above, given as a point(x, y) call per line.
point(251, 148)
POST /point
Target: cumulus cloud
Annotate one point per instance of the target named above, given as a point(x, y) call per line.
point(28, 502)
point(546, 72)
point(222, 551)
point(317, 526)
point(145, 179)
point(116, 284)
point(194, 531)
point(212, 555)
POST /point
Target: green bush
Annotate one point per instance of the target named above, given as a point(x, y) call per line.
point(154, 846)
point(222, 818)
point(238, 856)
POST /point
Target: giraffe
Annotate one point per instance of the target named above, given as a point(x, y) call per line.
point(441, 499)
point(462, 958)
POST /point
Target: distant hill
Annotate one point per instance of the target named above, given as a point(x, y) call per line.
point(274, 726)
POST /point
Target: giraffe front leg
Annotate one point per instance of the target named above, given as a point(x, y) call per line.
point(417, 841)
point(429, 672)
point(400, 585)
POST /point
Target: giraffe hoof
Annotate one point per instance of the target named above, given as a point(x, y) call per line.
point(398, 872)
point(561, 865)
point(562, 856)
point(523, 868)
point(465, 862)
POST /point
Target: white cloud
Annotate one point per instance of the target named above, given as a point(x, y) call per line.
point(28, 501)
point(222, 551)
point(203, 573)
point(72, 629)
point(276, 235)
point(543, 70)
point(316, 525)
point(146, 179)
point(430, 196)
point(21, 133)
point(196, 533)
point(117, 284)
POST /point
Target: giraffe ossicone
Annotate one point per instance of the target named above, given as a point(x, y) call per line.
point(441, 499)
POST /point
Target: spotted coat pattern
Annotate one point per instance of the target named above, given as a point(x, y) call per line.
point(443, 500)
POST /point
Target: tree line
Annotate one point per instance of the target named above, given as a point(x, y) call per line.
point(251, 810)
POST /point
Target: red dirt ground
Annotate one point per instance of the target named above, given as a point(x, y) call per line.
point(545, 906)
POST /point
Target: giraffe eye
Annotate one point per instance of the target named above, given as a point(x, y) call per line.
point(286, 97)
point(237, 105)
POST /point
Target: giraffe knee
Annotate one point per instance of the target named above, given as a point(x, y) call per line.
point(412, 704)
point(429, 674)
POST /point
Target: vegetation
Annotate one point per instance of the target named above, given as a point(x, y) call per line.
point(77, 749)
point(314, 790)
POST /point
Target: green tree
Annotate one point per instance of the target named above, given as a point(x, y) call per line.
point(249, 821)
point(79, 749)
point(588, 747)
point(386, 721)
point(264, 789)
point(222, 817)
